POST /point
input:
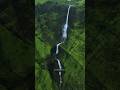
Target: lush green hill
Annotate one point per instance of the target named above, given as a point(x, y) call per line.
point(50, 17)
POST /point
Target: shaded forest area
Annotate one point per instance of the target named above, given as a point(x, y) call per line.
point(16, 45)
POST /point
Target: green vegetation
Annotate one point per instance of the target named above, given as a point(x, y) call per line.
point(40, 1)
point(50, 16)
point(80, 3)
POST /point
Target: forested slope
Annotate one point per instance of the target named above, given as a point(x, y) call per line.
point(16, 45)
point(50, 18)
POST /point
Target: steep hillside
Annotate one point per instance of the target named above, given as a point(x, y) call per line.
point(50, 17)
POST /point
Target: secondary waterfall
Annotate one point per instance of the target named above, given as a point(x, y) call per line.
point(57, 46)
point(60, 67)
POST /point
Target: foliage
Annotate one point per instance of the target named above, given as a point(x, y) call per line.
point(50, 17)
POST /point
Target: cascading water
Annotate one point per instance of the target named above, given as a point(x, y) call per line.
point(64, 31)
point(64, 37)
point(57, 46)
point(60, 69)
point(55, 67)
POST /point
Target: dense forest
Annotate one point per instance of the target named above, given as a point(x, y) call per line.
point(50, 17)
point(19, 71)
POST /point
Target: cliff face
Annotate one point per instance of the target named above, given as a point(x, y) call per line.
point(50, 18)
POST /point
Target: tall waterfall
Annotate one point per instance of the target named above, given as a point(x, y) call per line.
point(64, 36)
point(64, 31)
point(58, 67)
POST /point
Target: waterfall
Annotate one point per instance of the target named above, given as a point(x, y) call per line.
point(57, 46)
point(68, 14)
point(59, 69)
point(64, 36)
point(64, 31)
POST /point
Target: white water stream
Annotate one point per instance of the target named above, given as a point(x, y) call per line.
point(60, 68)
point(57, 47)
point(65, 28)
point(64, 36)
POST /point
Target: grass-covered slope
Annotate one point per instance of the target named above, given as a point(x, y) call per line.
point(49, 19)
